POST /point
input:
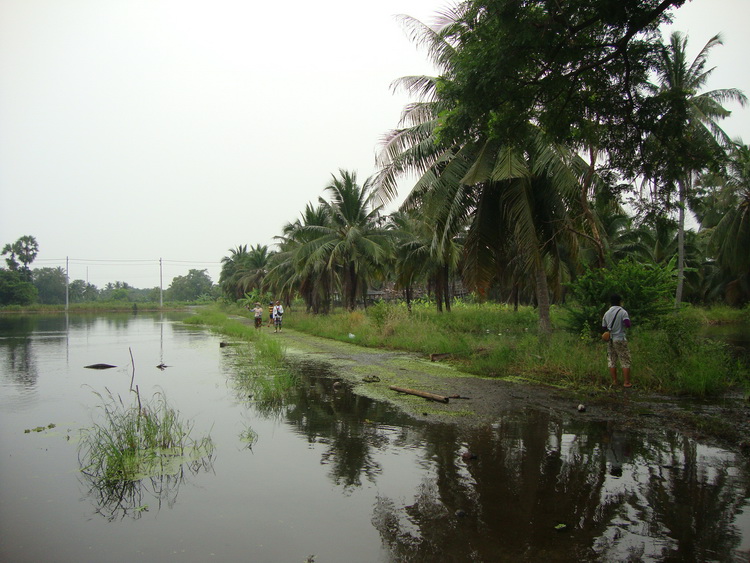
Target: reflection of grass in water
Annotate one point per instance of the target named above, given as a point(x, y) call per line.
point(120, 499)
point(261, 371)
point(261, 374)
point(132, 442)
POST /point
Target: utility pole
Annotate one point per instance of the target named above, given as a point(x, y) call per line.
point(161, 286)
point(67, 283)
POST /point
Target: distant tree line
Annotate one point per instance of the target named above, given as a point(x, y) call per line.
point(20, 285)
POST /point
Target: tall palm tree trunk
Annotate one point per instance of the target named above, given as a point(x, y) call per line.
point(446, 287)
point(439, 292)
point(542, 298)
point(352, 289)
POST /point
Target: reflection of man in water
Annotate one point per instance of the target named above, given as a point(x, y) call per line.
point(618, 450)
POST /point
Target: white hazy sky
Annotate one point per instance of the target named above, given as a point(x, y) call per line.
point(134, 130)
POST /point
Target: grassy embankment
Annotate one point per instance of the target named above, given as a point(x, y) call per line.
point(492, 340)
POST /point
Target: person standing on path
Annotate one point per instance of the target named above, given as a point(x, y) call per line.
point(258, 311)
point(270, 314)
point(616, 320)
point(278, 313)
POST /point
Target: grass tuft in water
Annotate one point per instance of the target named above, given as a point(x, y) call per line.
point(142, 439)
point(249, 436)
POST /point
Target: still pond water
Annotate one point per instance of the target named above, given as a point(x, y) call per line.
point(333, 477)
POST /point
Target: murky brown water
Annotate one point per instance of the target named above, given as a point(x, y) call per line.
point(334, 475)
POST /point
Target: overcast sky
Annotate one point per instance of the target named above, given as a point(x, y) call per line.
point(139, 130)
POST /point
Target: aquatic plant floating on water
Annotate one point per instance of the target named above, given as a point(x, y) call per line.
point(249, 436)
point(39, 428)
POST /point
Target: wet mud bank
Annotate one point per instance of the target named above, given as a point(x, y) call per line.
point(370, 372)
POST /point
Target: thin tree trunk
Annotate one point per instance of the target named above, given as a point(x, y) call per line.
point(585, 186)
point(683, 187)
point(446, 288)
point(352, 297)
point(542, 298)
point(439, 292)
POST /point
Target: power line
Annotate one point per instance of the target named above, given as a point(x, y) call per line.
point(125, 262)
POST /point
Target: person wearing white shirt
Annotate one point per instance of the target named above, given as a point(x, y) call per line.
point(616, 320)
point(278, 312)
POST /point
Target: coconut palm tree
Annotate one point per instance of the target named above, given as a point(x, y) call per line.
point(290, 270)
point(232, 267)
point(418, 260)
point(688, 138)
point(507, 196)
point(244, 270)
point(730, 238)
point(352, 242)
point(523, 196)
point(255, 269)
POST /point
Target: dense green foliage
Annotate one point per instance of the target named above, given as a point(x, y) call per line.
point(14, 290)
point(646, 293)
point(575, 68)
point(191, 287)
point(50, 284)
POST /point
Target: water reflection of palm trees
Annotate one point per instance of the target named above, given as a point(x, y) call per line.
point(340, 420)
point(541, 487)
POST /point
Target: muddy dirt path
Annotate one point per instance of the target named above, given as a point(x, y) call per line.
point(370, 372)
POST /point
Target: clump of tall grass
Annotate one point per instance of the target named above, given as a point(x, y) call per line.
point(675, 357)
point(137, 440)
point(270, 392)
point(723, 314)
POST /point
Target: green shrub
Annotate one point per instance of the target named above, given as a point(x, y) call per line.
point(646, 292)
